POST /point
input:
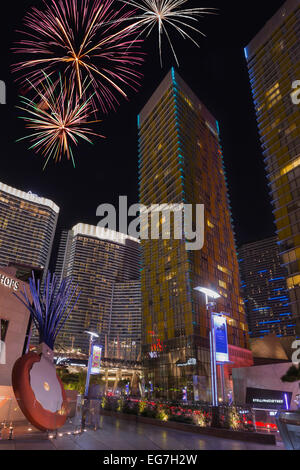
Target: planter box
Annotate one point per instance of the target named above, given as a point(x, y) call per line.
point(268, 439)
point(288, 423)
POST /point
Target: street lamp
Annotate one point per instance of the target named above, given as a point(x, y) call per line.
point(210, 294)
point(88, 375)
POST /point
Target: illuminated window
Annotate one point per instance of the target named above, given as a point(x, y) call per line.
point(224, 270)
point(293, 282)
point(273, 95)
point(290, 129)
point(290, 167)
point(260, 108)
point(223, 284)
point(210, 224)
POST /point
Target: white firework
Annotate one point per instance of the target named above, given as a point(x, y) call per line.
point(164, 14)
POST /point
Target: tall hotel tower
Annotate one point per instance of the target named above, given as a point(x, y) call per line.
point(27, 228)
point(180, 161)
point(106, 266)
point(273, 58)
point(264, 289)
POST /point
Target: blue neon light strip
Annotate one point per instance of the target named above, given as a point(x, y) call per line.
point(261, 308)
point(268, 322)
point(279, 298)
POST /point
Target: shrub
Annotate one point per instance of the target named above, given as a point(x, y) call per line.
point(120, 405)
point(150, 411)
point(234, 419)
point(181, 415)
point(111, 404)
point(200, 418)
point(130, 407)
point(162, 414)
point(142, 406)
point(181, 419)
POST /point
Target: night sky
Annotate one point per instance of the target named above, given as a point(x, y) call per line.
point(216, 72)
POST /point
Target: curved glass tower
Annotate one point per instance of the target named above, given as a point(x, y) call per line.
point(181, 163)
point(273, 58)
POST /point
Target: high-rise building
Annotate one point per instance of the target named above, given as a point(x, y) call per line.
point(125, 325)
point(27, 228)
point(180, 162)
point(273, 58)
point(106, 267)
point(264, 289)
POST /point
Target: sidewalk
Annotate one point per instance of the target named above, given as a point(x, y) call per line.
point(116, 434)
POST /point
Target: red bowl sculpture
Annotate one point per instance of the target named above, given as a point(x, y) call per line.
point(30, 402)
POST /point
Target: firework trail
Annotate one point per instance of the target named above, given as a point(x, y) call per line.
point(58, 119)
point(83, 40)
point(165, 14)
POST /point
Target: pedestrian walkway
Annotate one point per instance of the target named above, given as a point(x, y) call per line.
point(116, 434)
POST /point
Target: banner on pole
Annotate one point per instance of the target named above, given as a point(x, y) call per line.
point(96, 359)
point(221, 339)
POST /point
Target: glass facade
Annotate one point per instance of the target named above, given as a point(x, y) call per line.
point(106, 267)
point(273, 59)
point(27, 228)
point(125, 326)
point(180, 161)
point(264, 290)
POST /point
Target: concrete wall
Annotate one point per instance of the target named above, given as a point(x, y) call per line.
point(13, 310)
point(266, 377)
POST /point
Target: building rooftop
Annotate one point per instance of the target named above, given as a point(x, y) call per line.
point(173, 77)
point(270, 27)
point(102, 233)
point(30, 197)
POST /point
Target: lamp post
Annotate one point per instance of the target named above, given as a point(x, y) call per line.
point(88, 375)
point(210, 294)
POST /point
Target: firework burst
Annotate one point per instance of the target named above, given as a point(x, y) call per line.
point(58, 119)
point(164, 14)
point(82, 39)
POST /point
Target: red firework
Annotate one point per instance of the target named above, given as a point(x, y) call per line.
point(84, 40)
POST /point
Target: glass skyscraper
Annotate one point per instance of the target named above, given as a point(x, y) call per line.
point(264, 289)
point(106, 267)
point(180, 162)
point(27, 228)
point(273, 58)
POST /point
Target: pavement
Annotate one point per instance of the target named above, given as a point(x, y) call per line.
point(117, 434)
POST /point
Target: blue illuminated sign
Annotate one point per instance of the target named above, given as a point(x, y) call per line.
point(221, 339)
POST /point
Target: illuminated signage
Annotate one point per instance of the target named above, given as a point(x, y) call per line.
point(221, 339)
point(9, 282)
point(96, 359)
point(190, 362)
point(153, 355)
point(156, 347)
point(268, 399)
